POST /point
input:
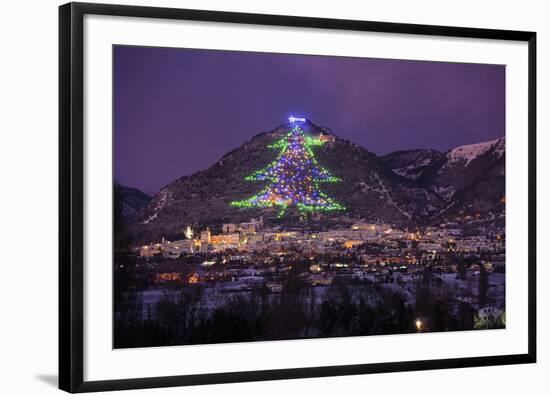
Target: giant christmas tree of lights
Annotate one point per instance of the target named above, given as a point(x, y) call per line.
point(293, 177)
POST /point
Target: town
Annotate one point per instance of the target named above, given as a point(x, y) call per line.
point(454, 265)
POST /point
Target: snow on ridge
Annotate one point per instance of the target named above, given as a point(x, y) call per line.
point(152, 217)
point(389, 199)
point(445, 192)
point(402, 171)
point(472, 151)
point(160, 202)
point(500, 146)
point(407, 173)
point(414, 170)
point(425, 162)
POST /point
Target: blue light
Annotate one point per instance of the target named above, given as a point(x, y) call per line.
point(293, 119)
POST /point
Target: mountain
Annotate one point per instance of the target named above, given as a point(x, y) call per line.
point(413, 163)
point(406, 188)
point(469, 178)
point(129, 202)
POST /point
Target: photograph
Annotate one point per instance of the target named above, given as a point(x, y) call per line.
point(271, 196)
point(246, 197)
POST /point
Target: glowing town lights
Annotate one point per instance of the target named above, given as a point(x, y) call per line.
point(293, 119)
point(419, 325)
point(293, 177)
point(193, 279)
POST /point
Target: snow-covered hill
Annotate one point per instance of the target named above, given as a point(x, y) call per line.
point(458, 177)
point(406, 188)
point(468, 153)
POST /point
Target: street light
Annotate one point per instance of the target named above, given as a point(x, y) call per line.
point(419, 325)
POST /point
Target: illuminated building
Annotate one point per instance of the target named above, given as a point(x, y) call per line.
point(206, 236)
point(188, 232)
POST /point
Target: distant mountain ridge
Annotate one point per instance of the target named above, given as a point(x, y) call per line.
point(470, 177)
point(404, 188)
point(412, 164)
point(130, 201)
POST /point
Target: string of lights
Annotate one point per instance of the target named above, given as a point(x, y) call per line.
point(293, 178)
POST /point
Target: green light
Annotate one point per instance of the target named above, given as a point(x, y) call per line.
point(293, 178)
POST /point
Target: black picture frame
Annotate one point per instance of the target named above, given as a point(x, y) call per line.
point(71, 223)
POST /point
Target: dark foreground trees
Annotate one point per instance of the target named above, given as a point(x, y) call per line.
point(184, 317)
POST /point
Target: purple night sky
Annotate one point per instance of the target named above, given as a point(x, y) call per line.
point(177, 111)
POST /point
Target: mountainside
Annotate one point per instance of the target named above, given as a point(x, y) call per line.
point(413, 163)
point(469, 178)
point(130, 202)
point(405, 188)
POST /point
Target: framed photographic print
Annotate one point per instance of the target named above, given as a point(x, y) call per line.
point(253, 197)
